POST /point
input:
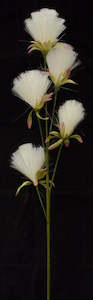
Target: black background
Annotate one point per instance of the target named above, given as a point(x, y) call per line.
point(22, 225)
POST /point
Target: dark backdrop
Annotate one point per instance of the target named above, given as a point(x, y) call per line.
point(22, 226)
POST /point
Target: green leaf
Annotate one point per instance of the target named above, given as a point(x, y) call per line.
point(55, 145)
point(22, 185)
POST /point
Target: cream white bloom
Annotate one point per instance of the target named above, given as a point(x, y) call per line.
point(70, 114)
point(60, 61)
point(28, 160)
point(31, 86)
point(44, 25)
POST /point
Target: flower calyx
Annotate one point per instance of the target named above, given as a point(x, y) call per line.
point(45, 98)
point(62, 79)
point(43, 183)
point(43, 47)
point(61, 138)
point(39, 175)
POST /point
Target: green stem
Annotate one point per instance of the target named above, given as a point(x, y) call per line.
point(48, 215)
point(40, 201)
point(47, 204)
point(48, 250)
point(56, 164)
point(40, 128)
point(54, 105)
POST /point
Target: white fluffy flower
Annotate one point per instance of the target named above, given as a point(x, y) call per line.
point(44, 25)
point(31, 86)
point(60, 61)
point(28, 160)
point(70, 114)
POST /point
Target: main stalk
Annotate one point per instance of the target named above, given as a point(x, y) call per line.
point(48, 217)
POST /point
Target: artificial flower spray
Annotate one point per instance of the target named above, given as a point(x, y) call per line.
point(37, 88)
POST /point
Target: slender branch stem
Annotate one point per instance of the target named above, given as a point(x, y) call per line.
point(54, 105)
point(38, 193)
point(56, 164)
point(40, 128)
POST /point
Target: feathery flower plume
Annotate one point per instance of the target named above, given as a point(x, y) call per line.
point(28, 160)
point(31, 86)
point(70, 114)
point(61, 60)
point(44, 26)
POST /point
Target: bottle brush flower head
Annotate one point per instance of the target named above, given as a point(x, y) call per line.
point(70, 114)
point(61, 60)
point(31, 87)
point(29, 160)
point(44, 26)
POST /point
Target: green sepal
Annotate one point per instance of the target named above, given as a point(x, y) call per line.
point(66, 142)
point(49, 138)
point(22, 185)
point(52, 78)
point(55, 145)
point(43, 183)
point(39, 106)
point(74, 136)
point(50, 181)
point(55, 133)
point(44, 47)
point(57, 125)
point(41, 173)
point(69, 81)
point(32, 49)
point(77, 137)
point(40, 117)
point(29, 119)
